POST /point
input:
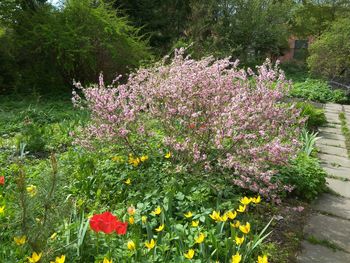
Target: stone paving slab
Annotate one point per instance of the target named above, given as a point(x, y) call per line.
point(337, 171)
point(334, 205)
point(333, 136)
point(332, 229)
point(328, 149)
point(340, 187)
point(334, 130)
point(331, 142)
point(333, 106)
point(320, 254)
point(334, 160)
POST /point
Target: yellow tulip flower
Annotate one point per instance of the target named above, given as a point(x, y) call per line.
point(256, 200)
point(245, 228)
point(2, 209)
point(157, 211)
point(241, 208)
point(215, 216)
point(127, 181)
point(160, 228)
point(105, 260)
point(60, 259)
point(150, 244)
point(189, 254)
point(231, 215)
point(236, 258)
point(53, 236)
point(35, 257)
point(262, 259)
point(188, 214)
point(200, 238)
point(20, 240)
point(131, 220)
point(236, 224)
point(167, 155)
point(195, 223)
point(245, 200)
point(239, 240)
point(131, 245)
point(31, 190)
point(224, 218)
point(131, 210)
point(144, 219)
point(144, 158)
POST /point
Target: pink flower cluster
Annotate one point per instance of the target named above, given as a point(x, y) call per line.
point(212, 113)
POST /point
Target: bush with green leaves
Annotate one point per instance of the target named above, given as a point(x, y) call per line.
point(306, 175)
point(317, 90)
point(315, 116)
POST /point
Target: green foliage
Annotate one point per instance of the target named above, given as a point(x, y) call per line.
point(315, 116)
point(308, 140)
point(317, 90)
point(306, 175)
point(330, 54)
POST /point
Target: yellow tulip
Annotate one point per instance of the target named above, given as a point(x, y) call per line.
point(127, 181)
point(188, 214)
point(131, 210)
point(195, 223)
point(224, 218)
point(31, 190)
point(168, 155)
point(35, 257)
point(200, 238)
point(60, 259)
point(236, 258)
point(157, 211)
point(160, 228)
point(20, 240)
point(245, 200)
point(144, 158)
point(262, 259)
point(241, 208)
point(131, 220)
point(245, 228)
point(131, 245)
point(2, 209)
point(105, 260)
point(150, 244)
point(256, 200)
point(189, 254)
point(239, 240)
point(231, 215)
point(215, 216)
point(53, 236)
point(237, 224)
point(144, 219)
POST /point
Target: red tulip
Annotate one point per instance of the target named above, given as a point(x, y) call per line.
point(107, 223)
point(121, 228)
point(2, 180)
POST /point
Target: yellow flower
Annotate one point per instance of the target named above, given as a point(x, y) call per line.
point(215, 216)
point(150, 244)
point(188, 214)
point(236, 258)
point(117, 159)
point(131, 245)
point(256, 200)
point(131, 220)
point(60, 259)
point(241, 208)
point(195, 223)
point(31, 190)
point(127, 181)
point(167, 155)
point(2, 209)
point(144, 219)
point(157, 211)
point(160, 228)
point(35, 257)
point(105, 260)
point(20, 240)
point(200, 238)
point(262, 259)
point(144, 158)
point(245, 200)
point(224, 218)
point(239, 240)
point(131, 210)
point(231, 215)
point(237, 224)
point(245, 228)
point(189, 254)
point(134, 161)
point(53, 236)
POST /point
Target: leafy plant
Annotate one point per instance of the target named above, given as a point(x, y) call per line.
point(315, 117)
point(308, 140)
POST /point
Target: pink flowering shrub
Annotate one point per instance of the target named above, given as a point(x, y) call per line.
point(212, 114)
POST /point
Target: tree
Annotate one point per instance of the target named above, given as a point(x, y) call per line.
point(330, 53)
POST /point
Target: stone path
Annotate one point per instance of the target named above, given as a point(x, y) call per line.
point(327, 232)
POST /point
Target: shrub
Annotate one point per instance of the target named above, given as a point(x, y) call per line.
point(317, 90)
point(209, 113)
point(315, 116)
point(306, 175)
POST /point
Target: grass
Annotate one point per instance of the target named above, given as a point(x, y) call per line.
point(325, 243)
point(345, 130)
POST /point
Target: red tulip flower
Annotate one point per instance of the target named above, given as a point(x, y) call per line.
point(107, 223)
point(2, 180)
